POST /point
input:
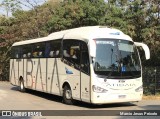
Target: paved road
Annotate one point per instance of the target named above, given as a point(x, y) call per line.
point(12, 99)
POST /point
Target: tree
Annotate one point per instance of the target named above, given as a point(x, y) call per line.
point(22, 25)
point(71, 14)
point(4, 47)
point(10, 6)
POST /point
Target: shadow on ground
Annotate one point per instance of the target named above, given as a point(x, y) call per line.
point(55, 98)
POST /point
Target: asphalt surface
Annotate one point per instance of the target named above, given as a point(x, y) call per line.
point(11, 99)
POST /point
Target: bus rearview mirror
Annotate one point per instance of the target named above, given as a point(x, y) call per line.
point(145, 48)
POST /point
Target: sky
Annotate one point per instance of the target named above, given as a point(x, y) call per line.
point(25, 5)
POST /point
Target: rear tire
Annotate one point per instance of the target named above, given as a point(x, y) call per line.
point(67, 95)
point(21, 85)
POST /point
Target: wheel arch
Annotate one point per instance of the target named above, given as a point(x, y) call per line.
point(66, 100)
point(66, 83)
point(20, 79)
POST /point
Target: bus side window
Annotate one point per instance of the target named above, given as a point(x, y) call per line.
point(71, 52)
point(27, 50)
point(38, 50)
point(55, 48)
point(16, 52)
point(85, 65)
point(85, 62)
point(66, 53)
point(13, 53)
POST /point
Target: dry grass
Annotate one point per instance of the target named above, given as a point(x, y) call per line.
point(151, 97)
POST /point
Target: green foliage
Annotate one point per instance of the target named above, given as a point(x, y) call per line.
point(148, 80)
point(75, 14)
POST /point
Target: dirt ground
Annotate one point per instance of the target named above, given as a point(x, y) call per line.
point(145, 97)
point(151, 97)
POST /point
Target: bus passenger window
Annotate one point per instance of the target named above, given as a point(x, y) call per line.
point(85, 59)
point(24, 56)
point(55, 48)
point(71, 52)
point(65, 53)
point(85, 62)
point(29, 55)
point(40, 54)
point(26, 52)
point(16, 52)
point(35, 54)
point(57, 53)
point(51, 54)
point(17, 56)
point(39, 49)
point(74, 56)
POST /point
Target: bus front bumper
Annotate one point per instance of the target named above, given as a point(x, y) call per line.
point(99, 98)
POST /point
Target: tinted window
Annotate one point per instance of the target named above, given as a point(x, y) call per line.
point(71, 52)
point(27, 51)
point(85, 67)
point(16, 52)
point(38, 50)
point(117, 59)
point(53, 49)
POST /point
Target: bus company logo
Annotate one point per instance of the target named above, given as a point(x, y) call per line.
point(120, 85)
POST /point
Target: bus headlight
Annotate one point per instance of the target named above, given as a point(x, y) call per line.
point(139, 89)
point(98, 89)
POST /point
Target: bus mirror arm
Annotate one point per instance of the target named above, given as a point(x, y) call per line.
point(145, 48)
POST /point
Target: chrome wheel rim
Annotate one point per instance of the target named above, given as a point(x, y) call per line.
point(21, 85)
point(68, 94)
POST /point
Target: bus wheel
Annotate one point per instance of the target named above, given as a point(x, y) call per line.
point(21, 85)
point(67, 95)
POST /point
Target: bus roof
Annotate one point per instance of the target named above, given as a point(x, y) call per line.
point(93, 32)
point(81, 33)
point(57, 35)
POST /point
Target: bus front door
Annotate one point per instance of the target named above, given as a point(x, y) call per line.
point(85, 77)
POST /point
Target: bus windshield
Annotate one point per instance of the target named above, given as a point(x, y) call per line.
point(116, 59)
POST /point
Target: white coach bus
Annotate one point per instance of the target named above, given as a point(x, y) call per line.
point(95, 64)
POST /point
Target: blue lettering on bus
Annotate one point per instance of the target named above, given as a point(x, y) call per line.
point(68, 71)
point(116, 33)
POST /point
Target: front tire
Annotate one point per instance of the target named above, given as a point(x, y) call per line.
point(21, 85)
point(67, 95)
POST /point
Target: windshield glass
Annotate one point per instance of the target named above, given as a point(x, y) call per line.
point(116, 59)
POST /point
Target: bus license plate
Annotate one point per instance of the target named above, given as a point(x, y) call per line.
point(122, 96)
